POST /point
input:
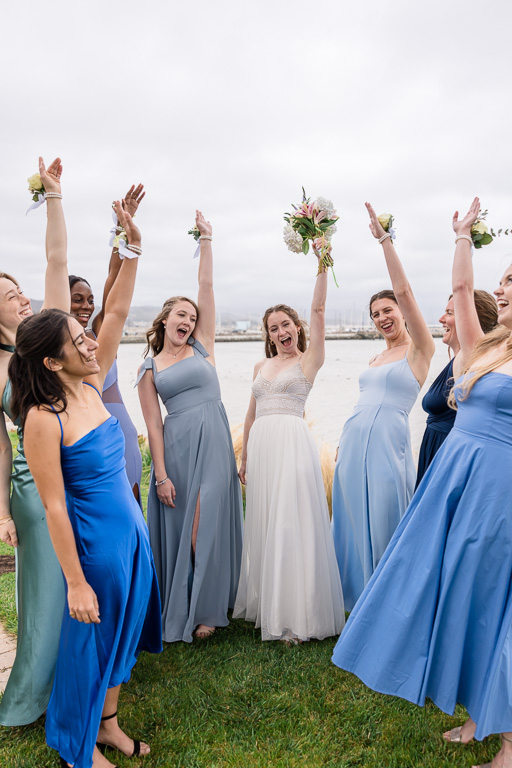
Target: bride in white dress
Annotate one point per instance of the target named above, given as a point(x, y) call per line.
point(289, 581)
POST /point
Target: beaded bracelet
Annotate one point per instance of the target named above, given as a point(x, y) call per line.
point(387, 234)
point(53, 194)
point(161, 482)
point(205, 237)
point(464, 237)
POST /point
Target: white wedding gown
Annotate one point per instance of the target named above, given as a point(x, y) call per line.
point(289, 581)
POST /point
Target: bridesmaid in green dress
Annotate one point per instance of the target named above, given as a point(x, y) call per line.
point(40, 586)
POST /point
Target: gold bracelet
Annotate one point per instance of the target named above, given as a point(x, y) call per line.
point(5, 518)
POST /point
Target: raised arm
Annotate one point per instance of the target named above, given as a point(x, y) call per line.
point(205, 328)
point(56, 291)
point(469, 330)
point(42, 449)
point(423, 346)
point(118, 301)
point(314, 357)
point(133, 198)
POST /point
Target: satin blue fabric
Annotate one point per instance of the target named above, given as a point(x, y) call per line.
point(374, 475)
point(113, 546)
point(199, 459)
point(440, 419)
point(436, 618)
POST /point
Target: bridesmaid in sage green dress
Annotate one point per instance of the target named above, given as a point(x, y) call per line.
point(40, 586)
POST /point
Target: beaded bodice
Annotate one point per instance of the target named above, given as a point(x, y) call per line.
point(285, 394)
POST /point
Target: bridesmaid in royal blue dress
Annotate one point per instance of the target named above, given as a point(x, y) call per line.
point(75, 451)
point(435, 620)
point(374, 473)
point(440, 416)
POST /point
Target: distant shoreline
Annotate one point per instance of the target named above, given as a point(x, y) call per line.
point(234, 337)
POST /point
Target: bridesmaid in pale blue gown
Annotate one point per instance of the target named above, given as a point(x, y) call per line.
point(436, 618)
point(374, 473)
point(194, 502)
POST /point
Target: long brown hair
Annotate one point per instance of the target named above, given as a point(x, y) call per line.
point(490, 341)
point(486, 309)
point(156, 334)
point(302, 344)
point(386, 294)
point(33, 384)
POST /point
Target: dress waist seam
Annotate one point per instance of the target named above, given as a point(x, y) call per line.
point(193, 407)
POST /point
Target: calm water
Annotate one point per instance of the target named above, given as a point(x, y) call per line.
point(329, 405)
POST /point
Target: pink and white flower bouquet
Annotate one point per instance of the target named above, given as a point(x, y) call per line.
point(312, 221)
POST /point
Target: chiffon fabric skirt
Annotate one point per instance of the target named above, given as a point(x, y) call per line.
point(289, 583)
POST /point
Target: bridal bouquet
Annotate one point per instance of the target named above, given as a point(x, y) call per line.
point(315, 221)
point(386, 222)
point(481, 234)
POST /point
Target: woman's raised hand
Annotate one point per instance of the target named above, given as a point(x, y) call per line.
point(376, 227)
point(203, 226)
point(51, 176)
point(126, 221)
point(464, 225)
point(133, 198)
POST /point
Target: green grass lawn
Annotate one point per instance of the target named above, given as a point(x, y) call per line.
point(235, 701)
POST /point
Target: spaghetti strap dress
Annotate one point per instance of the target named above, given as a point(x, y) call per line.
point(40, 598)
point(200, 461)
point(289, 585)
point(374, 474)
point(114, 404)
point(113, 547)
point(441, 419)
point(436, 618)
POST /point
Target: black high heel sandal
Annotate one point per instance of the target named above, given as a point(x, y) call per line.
point(103, 747)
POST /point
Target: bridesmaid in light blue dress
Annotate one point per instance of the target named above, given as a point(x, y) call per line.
point(195, 501)
point(374, 474)
point(435, 619)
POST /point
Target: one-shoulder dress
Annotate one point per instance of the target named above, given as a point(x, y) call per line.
point(114, 404)
point(289, 582)
point(374, 475)
point(436, 618)
point(113, 547)
point(200, 461)
point(440, 419)
point(40, 598)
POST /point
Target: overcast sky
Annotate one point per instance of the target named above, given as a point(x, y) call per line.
point(231, 107)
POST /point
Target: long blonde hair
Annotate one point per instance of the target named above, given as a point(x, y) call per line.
point(492, 340)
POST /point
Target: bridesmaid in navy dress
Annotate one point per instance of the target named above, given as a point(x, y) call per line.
point(75, 451)
point(435, 620)
point(440, 416)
